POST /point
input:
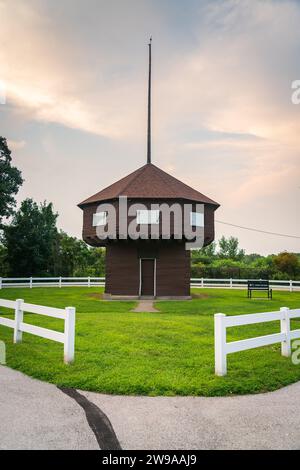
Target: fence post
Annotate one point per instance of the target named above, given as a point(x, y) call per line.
point(291, 286)
point(69, 344)
point(285, 328)
point(202, 282)
point(220, 345)
point(30, 283)
point(18, 321)
point(0, 282)
point(231, 282)
point(89, 281)
point(60, 281)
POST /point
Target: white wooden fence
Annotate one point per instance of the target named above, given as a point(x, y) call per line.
point(281, 284)
point(222, 322)
point(67, 338)
point(100, 281)
point(51, 281)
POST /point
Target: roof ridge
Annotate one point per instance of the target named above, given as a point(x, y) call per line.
point(183, 184)
point(179, 181)
point(136, 173)
point(164, 179)
point(149, 181)
point(132, 176)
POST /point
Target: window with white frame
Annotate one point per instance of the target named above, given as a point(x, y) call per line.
point(197, 219)
point(100, 218)
point(147, 217)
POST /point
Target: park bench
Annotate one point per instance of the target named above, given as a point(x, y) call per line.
point(260, 286)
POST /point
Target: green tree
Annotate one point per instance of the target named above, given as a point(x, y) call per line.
point(229, 248)
point(30, 239)
point(96, 262)
point(10, 180)
point(70, 254)
point(197, 269)
point(204, 256)
point(73, 257)
point(226, 267)
point(209, 250)
point(261, 268)
point(4, 267)
point(287, 263)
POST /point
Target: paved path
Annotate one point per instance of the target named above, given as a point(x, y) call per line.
point(145, 306)
point(37, 415)
point(264, 421)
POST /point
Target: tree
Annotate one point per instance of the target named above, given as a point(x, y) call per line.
point(229, 248)
point(209, 250)
point(31, 239)
point(74, 257)
point(227, 267)
point(4, 268)
point(287, 263)
point(10, 180)
point(261, 267)
point(96, 265)
point(203, 256)
point(71, 257)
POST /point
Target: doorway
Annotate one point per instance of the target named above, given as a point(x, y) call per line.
point(147, 277)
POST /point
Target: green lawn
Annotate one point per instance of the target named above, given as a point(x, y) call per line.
point(165, 353)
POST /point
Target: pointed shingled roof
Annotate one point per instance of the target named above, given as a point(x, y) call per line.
point(149, 182)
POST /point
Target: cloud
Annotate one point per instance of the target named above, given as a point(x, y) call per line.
point(223, 120)
point(236, 83)
point(52, 76)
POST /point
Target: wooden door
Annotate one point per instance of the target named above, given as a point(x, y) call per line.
point(147, 276)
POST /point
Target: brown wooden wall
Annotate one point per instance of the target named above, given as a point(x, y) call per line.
point(209, 224)
point(122, 269)
point(172, 268)
point(173, 271)
point(89, 234)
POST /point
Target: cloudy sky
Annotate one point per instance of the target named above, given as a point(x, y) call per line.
point(75, 73)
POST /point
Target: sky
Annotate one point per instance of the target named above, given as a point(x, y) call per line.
point(75, 75)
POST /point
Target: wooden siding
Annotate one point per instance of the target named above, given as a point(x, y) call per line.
point(173, 271)
point(209, 225)
point(172, 268)
point(89, 232)
point(122, 269)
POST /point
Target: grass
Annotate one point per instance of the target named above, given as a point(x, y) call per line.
point(165, 353)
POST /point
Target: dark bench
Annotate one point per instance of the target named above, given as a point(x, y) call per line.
point(259, 285)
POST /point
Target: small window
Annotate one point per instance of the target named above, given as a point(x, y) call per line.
point(100, 218)
point(197, 219)
point(147, 217)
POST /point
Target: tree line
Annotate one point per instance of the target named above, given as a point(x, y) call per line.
point(225, 260)
point(32, 245)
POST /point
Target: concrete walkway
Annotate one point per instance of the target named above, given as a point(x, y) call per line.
point(264, 421)
point(37, 415)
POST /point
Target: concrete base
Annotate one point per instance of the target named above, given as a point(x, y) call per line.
point(136, 297)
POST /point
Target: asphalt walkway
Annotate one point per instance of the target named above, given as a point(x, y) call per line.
point(37, 415)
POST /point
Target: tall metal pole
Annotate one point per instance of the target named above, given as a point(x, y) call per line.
point(149, 108)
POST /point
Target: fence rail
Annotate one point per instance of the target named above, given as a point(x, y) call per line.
point(90, 281)
point(222, 322)
point(67, 338)
point(290, 285)
point(51, 281)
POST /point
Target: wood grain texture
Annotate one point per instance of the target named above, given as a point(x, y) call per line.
point(89, 233)
point(172, 268)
